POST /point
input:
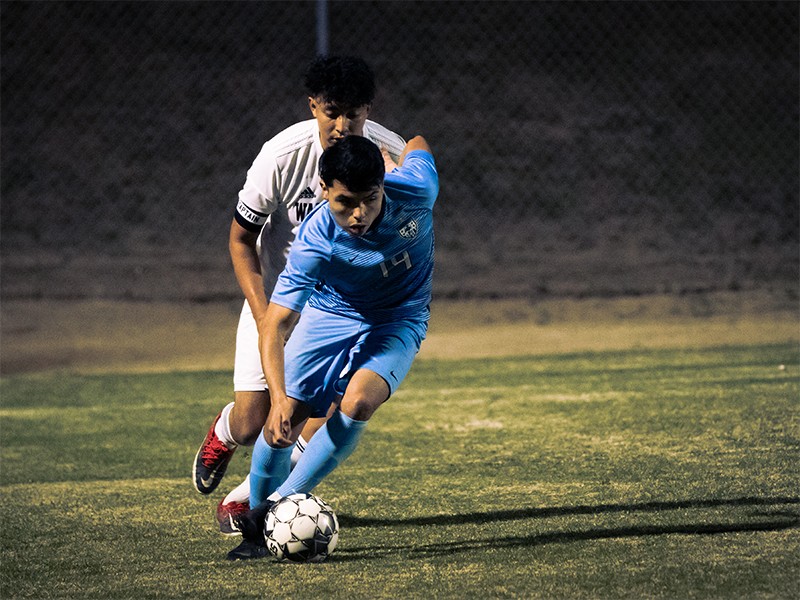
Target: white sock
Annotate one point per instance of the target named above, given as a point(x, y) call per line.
point(299, 448)
point(223, 428)
point(241, 493)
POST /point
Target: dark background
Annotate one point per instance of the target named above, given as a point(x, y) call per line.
point(584, 148)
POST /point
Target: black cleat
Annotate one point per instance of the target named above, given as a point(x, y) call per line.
point(251, 522)
point(248, 550)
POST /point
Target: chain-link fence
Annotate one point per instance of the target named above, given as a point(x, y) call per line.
point(583, 147)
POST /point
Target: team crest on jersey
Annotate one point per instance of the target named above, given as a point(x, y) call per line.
point(409, 230)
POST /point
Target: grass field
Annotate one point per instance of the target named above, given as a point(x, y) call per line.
point(620, 474)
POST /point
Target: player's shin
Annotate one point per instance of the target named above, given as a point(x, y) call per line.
point(269, 468)
point(329, 447)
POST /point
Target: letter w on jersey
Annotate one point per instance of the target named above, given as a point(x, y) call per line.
point(302, 209)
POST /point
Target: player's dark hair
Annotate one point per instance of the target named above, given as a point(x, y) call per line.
point(345, 80)
point(355, 161)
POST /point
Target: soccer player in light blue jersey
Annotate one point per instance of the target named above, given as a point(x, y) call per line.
point(360, 271)
point(281, 189)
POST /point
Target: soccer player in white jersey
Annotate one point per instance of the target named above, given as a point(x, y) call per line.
point(281, 189)
point(360, 271)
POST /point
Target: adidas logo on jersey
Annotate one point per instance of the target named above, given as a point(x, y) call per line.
point(307, 193)
point(409, 230)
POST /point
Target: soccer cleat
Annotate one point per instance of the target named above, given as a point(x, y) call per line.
point(211, 461)
point(251, 524)
point(226, 514)
point(248, 550)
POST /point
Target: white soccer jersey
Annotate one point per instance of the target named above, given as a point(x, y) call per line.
point(282, 188)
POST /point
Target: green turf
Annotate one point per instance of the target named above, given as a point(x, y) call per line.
point(642, 474)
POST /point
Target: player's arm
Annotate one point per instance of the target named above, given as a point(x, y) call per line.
point(258, 198)
point(416, 143)
point(305, 268)
point(247, 268)
point(278, 324)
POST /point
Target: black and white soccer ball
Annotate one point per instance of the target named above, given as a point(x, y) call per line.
point(301, 528)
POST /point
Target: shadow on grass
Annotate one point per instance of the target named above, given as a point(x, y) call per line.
point(768, 520)
point(560, 511)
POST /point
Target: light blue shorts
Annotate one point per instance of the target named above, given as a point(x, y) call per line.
point(325, 350)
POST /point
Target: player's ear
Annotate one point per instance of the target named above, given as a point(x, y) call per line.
point(312, 105)
point(324, 189)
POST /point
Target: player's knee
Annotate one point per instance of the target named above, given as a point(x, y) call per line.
point(361, 406)
point(364, 394)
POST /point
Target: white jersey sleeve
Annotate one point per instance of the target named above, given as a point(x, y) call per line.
point(259, 197)
point(384, 138)
point(279, 175)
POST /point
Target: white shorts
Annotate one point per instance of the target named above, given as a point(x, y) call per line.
point(248, 376)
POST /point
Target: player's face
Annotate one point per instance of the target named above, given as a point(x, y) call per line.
point(337, 121)
point(355, 212)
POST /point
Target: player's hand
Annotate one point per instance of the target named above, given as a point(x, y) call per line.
point(279, 424)
point(388, 161)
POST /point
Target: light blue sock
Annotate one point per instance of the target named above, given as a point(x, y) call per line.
point(331, 445)
point(269, 468)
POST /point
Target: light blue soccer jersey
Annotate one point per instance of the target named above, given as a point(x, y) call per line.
point(382, 276)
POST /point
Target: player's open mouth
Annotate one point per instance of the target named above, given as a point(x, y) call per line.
point(357, 229)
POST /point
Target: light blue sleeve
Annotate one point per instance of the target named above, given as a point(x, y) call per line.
point(308, 260)
point(416, 181)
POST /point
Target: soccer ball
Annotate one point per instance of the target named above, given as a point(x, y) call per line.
point(301, 528)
